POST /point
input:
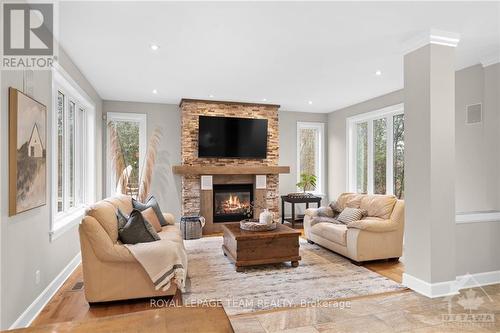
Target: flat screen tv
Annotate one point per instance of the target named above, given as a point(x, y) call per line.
point(232, 137)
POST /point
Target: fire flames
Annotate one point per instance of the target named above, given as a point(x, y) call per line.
point(232, 205)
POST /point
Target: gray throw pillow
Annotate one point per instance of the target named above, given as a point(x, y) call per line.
point(153, 203)
point(325, 212)
point(137, 230)
point(351, 215)
point(333, 206)
point(122, 218)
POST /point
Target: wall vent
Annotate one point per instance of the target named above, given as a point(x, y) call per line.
point(474, 113)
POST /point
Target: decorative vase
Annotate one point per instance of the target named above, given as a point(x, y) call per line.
point(266, 217)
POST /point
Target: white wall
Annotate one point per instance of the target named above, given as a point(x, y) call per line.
point(288, 151)
point(25, 245)
point(166, 186)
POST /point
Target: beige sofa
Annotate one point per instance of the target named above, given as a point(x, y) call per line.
point(379, 235)
point(110, 272)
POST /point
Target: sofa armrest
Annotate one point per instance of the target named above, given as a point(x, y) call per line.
point(374, 225)
point(312, 212)
point(169, 218)
point(102, 246)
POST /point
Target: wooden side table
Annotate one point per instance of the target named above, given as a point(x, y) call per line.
point(295, 200)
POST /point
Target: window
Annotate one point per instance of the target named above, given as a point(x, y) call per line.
point(310, 138)
point(73, 156)
point(376, 152)
point(129, 131)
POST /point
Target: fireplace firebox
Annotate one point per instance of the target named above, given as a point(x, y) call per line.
point(231, 202)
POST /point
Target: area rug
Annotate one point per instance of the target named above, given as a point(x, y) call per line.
point(321, 275)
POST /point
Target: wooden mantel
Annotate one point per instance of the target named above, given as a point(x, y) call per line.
point(229, 170)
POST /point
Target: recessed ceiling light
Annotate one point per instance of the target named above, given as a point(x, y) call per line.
point(155, 91)
point(378, 72)
point(211, 96)
point(310, 102)
point(264, 100)
point(154, 47)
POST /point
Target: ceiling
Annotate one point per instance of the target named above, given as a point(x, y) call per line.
point(311, 57)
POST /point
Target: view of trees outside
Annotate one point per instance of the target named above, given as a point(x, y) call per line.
point(128, 138)
point(379, 155)
point(399, 161)
point(362, 158)
point(307, 143)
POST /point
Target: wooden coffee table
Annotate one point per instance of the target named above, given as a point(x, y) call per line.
point(249, 248)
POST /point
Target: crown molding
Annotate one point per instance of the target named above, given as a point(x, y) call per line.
point(490, 60)
point(433, 36)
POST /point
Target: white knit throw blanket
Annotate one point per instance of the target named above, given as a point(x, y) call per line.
point(164, 261)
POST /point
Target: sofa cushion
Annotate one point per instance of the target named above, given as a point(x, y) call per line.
point(351, 214)
point(171, 232)
point(105, 213)
point(137, 230)
point(336, 233)
point(122, 201)
point(352, 200)
point(378, 205)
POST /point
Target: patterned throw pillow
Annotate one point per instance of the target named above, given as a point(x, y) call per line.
point(351, 215)
point(137, 230)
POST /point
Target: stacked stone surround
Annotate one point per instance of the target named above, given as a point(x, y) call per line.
point(191, 110)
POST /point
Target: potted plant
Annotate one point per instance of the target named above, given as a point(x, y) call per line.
point(307, 182)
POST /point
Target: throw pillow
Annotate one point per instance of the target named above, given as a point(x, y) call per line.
point(137, 230)
point(350, 215)
point(122, 218)
point(150, 216)
point(151, 202)
point(333, 205)
point(325, 212)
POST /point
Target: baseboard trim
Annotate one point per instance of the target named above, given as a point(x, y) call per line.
point(478, 279)
point(39, 303)
point(431, 290)
point(449, 288)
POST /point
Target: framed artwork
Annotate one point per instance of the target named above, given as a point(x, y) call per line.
point(27, 153)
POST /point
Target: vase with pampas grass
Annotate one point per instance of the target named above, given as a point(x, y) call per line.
point(129, 181)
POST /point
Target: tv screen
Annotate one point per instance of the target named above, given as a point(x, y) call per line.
point(232, 137)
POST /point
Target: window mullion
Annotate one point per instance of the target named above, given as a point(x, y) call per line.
point(66, 155)
point(370, 183)
point(389, 179)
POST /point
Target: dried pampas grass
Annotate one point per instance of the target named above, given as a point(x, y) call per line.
point(148, 166)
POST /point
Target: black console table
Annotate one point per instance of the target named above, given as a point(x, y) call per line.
point(295, 200)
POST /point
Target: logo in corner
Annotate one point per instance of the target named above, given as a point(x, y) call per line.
point(28, 35)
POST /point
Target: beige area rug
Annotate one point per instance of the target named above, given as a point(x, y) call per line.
point(322, 275)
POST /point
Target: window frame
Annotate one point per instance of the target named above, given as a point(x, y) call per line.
point(319, 154)
point(60, 222)
point(140, 118)
point(351, 139)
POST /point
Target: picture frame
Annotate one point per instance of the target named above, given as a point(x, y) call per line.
point(27, 153)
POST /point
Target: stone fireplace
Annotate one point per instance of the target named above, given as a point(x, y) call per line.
point(259, 175)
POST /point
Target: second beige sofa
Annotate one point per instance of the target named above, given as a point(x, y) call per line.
point(379, 235)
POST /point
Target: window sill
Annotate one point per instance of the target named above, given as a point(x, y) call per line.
point(65, 222)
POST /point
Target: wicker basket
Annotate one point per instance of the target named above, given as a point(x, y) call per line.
point(192, 226)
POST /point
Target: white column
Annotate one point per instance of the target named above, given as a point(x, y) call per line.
point(429, 79)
